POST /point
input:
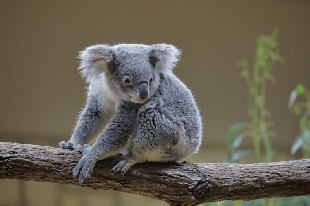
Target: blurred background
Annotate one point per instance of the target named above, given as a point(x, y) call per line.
point(42, 92)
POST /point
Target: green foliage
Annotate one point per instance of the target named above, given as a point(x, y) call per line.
point(234, 137)
point(302, 109)
point(259, 128)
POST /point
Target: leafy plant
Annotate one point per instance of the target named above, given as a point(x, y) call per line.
point(301, 108)
point(258, 129)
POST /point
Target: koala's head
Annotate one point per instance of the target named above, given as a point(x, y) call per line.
point(132, 70)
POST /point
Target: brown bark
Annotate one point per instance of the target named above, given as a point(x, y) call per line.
point(177, 184)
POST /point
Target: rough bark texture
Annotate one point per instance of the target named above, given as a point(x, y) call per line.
point(177, 184)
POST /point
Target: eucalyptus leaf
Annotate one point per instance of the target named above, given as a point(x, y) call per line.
point(238, 140)
point(260, 51)
point(260, 100)
point(233, 130)
point(300, 89)
point(306, 133)
point(261, 64)
point(297, 110)
point(237, 155)
point(292, 99)
point(271, 133)
point(299, 143)
point(303, 121)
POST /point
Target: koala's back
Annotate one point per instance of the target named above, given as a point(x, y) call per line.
point(178, 99)
point(180, 106)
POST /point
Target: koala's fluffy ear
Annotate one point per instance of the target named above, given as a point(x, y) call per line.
point(94, 60)
point(164, 56)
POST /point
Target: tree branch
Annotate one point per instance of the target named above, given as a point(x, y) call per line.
point(177, 184)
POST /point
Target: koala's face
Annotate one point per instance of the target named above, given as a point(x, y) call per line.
point(132, 70)
point(133, 77)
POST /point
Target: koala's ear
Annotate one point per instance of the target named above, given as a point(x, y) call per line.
point(94, 60)
point(164, 56)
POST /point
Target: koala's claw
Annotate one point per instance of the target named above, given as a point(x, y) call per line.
point(122, 167)
point(66, 145)
point(83, 169)
point(117, 159)
point(83, 149)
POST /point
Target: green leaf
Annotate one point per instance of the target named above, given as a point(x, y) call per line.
point(238, 140)
point(299, 143)
point(260, 51)
point(271, 133)
point(261, 64)
point(306, 134)
point(300, 89)
point(292, 99)
point(260, 100)
point(303, 122)
point(237, 155)
point(233, 130)
point(297, 110)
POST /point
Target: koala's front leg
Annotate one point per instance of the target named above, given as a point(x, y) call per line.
point(112, 141)
point(91, 120)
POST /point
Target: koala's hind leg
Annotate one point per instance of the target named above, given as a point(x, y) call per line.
point(157, 139)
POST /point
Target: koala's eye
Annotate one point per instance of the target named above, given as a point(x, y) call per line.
point(127, 80)
point(151, 80)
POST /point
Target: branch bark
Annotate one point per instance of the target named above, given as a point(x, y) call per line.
point(177, 184)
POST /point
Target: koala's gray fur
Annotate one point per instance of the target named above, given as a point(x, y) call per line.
point(136, 105)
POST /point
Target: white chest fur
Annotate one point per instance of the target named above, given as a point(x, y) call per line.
point(101, 89)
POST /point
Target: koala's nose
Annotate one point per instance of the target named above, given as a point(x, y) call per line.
point(143, 90)
point(143, 95)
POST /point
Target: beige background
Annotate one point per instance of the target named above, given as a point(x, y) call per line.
point(42, 93)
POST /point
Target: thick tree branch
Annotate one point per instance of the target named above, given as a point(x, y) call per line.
point(177, 184)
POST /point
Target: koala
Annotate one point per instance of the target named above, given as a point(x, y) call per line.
point(136, 107)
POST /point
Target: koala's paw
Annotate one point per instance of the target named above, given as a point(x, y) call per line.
point(66, 145)
point(84, 168)
point(83, 149)
point(123, 166)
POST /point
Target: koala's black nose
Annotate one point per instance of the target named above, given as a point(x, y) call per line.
point(143, 95)
point(143, 90)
